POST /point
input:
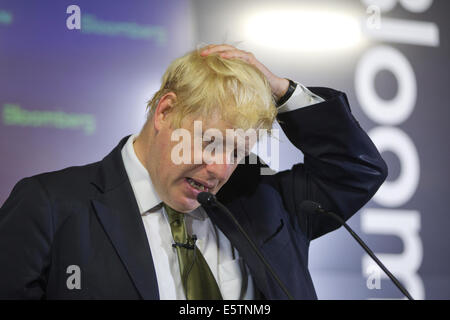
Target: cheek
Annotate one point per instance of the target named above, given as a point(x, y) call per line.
point(175, 174)
point(228, 177)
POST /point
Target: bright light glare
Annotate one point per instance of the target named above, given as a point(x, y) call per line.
point(302, 30)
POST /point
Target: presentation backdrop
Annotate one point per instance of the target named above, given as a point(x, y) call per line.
point(75, 77)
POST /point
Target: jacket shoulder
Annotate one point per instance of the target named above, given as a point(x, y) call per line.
point(70, 182)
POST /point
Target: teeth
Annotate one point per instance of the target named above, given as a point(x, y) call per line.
point(196, 185)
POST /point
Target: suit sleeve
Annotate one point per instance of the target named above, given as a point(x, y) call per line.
point(342, 168)
point(25, 240)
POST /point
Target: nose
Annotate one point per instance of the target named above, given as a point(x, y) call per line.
point(221, 172)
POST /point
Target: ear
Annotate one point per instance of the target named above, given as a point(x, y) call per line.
point(164, 107)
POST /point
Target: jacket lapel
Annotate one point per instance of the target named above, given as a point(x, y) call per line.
point(118, 212)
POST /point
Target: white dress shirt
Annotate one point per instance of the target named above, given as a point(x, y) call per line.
point(230, 272)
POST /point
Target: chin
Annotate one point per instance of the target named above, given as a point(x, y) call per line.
point(188, 207)
point(186, 204)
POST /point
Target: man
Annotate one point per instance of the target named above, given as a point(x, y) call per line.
point(130, 227)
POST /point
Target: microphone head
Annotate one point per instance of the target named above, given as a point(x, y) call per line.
point(310, 206)
point(206, 198)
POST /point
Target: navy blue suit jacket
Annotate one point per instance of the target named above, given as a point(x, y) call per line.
point(88, 216)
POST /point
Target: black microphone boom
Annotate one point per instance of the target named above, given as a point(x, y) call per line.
point(311, 206)
point(209, 200)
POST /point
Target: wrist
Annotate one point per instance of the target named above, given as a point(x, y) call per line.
point(280, 88)
point(287, 94)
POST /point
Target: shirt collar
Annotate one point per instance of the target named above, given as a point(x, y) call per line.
point(144, 191)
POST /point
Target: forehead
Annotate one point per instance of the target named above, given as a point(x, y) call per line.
point(220, 131)
point(198, 125)
point(213, 121)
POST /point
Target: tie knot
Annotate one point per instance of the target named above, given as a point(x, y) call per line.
point(175, 218)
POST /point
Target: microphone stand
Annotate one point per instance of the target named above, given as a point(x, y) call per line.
point(315, 207)
point(209, 200)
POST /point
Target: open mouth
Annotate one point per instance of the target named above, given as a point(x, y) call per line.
point(197, 185)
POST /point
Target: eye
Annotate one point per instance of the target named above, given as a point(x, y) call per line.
point(208, 142)
point(239, 153)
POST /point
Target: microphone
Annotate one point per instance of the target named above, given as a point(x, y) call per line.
point(314, 207)
point(207, 199)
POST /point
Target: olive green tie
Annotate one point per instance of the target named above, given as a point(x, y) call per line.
point(198, 281)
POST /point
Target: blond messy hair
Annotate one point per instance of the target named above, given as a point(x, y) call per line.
point(213, 86)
